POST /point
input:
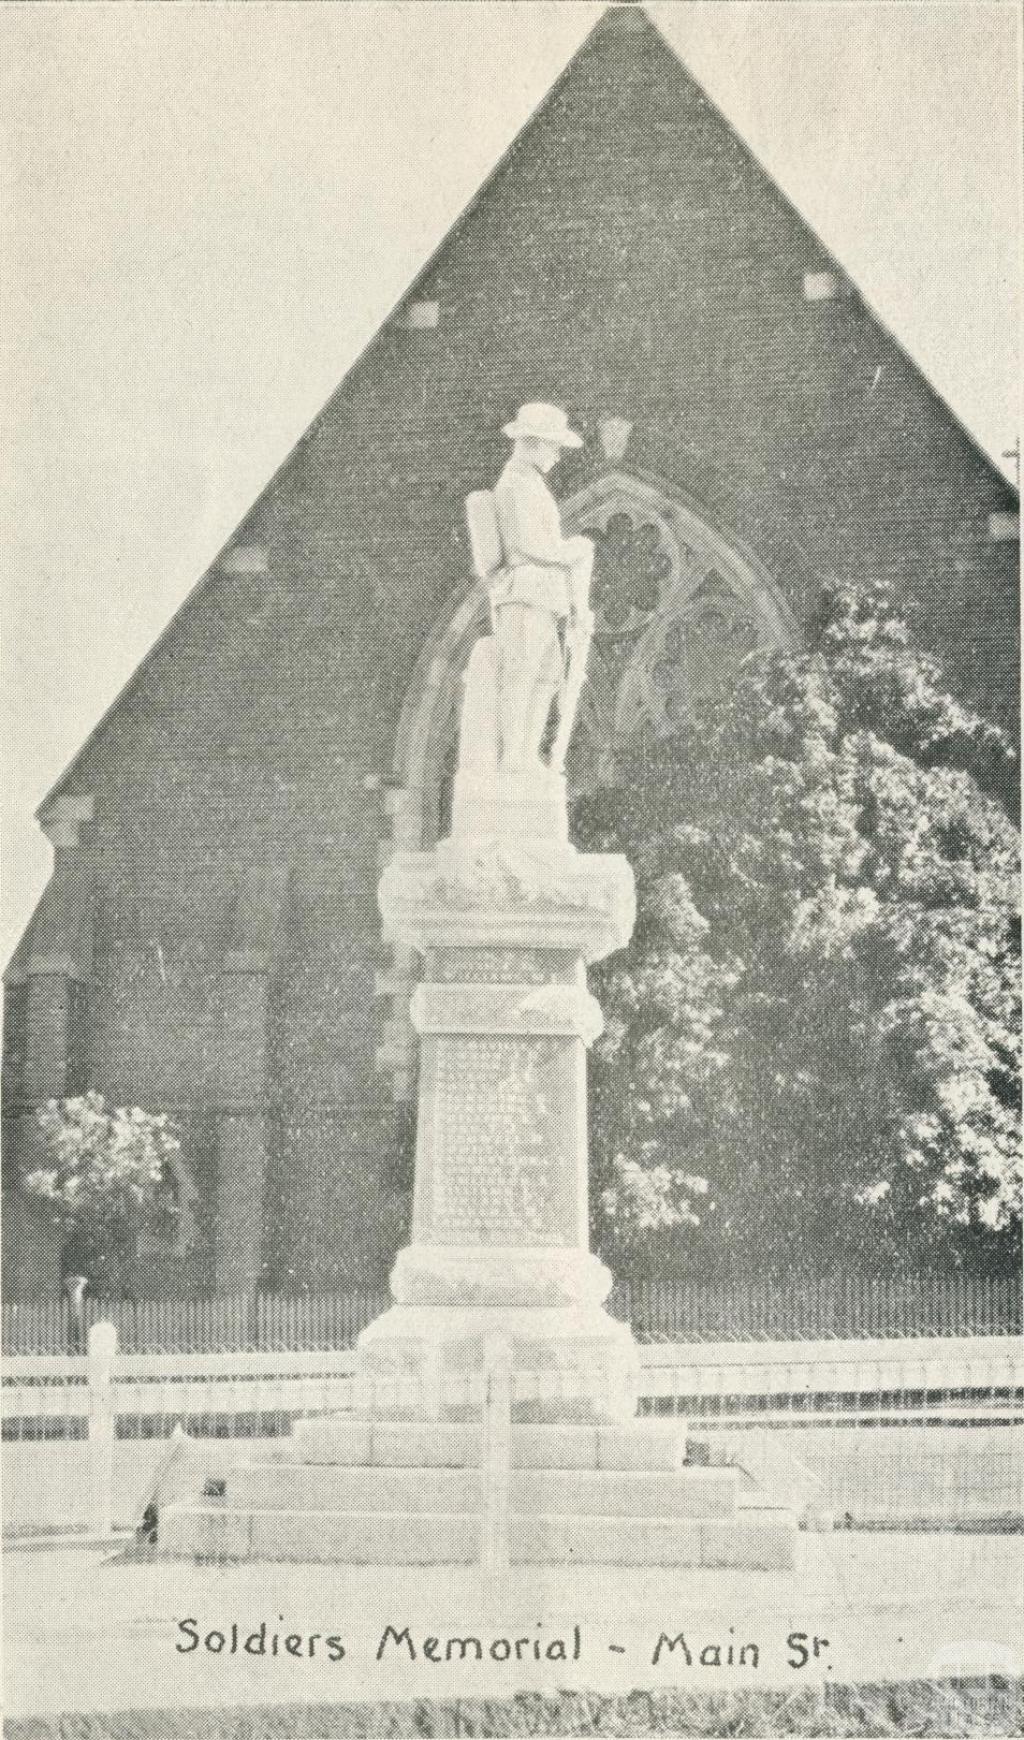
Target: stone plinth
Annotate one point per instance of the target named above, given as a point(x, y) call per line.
point(358, 1492)
point(500, 1209)
point(485, 802)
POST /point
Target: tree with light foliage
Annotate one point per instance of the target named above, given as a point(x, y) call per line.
point(107, 1172)
point(811, 1045)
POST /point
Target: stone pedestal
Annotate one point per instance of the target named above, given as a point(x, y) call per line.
point(506, 915)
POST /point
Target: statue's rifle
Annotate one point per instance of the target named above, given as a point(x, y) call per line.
point(577, 649)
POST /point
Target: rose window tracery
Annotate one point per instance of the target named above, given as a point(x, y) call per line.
point(690, 656)
point(677, 616)
point(637, 565)
point(632, 564)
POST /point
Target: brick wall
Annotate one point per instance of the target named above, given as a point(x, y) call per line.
point(628, 258)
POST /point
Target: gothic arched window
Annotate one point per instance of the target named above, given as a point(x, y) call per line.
point(679, 610)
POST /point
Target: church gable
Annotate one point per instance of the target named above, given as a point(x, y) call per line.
point(630, 259)
point(752, 434)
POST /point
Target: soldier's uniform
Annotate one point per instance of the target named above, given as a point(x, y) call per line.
point(543, 583)
point(532, 597)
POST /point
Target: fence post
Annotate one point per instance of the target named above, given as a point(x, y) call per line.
point(102, 1351)
point(497, 1453)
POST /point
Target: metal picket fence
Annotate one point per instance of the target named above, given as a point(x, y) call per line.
point(833, 1307)
point(820, 1308)
point(261, 1322)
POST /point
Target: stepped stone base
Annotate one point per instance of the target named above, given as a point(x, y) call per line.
point(449, 1491)
point(650, 1445)
point(309, 1537)
point(588, 1540)
point(360, 1491)
point(428, 1538)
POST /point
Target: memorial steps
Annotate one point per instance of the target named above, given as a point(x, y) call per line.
point(414, 1493)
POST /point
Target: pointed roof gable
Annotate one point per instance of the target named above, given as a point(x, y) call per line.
point(614, 219)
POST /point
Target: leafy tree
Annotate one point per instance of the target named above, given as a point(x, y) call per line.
point(811, 1044)
point(107, 1173)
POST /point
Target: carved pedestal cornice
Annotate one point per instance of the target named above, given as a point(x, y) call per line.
point(509, 899)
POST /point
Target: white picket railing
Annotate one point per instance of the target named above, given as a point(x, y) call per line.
point(82, 1437)
point(911, 1429)
point(827, 1383)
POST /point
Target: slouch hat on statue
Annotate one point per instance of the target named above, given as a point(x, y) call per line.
point(543, 423)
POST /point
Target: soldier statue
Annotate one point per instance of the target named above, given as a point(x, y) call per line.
point(538, 585)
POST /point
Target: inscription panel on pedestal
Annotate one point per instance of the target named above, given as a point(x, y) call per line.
point(502, 966)
point(503, 1160)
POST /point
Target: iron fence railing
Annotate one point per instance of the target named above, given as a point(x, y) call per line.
point(830, 1308)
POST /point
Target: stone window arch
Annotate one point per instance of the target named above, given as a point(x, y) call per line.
point(680, 608)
